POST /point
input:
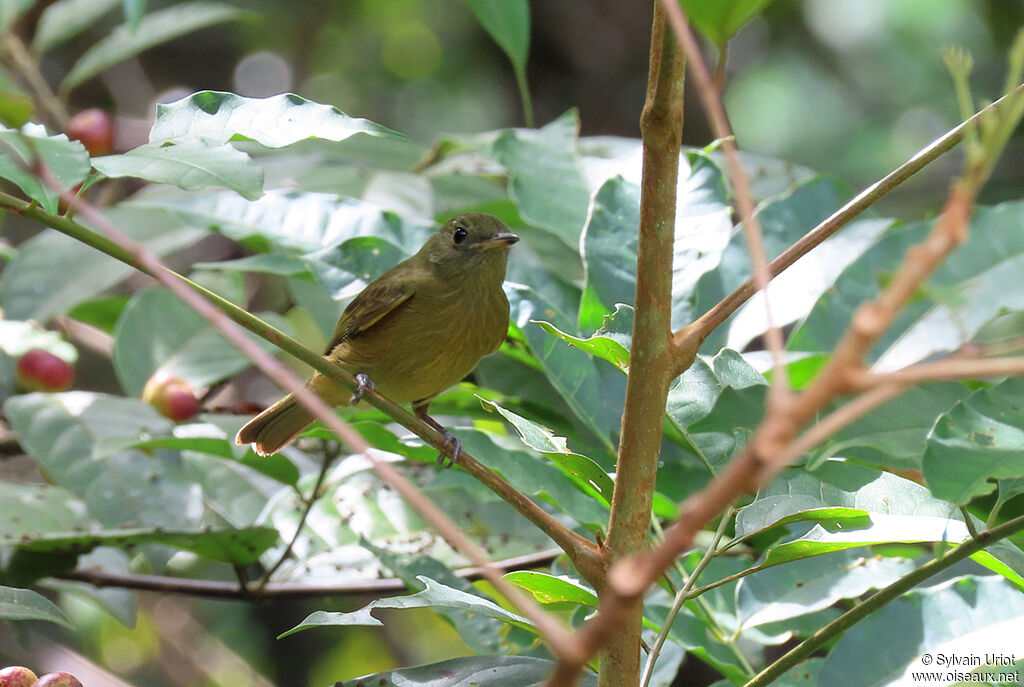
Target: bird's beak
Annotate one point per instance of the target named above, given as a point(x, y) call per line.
point(504, 239)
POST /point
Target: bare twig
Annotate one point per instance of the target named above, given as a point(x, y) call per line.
point(551, 630)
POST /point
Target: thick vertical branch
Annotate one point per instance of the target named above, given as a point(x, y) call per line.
point(651, 357)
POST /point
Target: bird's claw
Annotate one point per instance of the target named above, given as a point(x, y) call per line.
point(449, 456)
point(363, 384)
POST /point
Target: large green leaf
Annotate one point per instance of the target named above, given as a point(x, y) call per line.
point(25, 604)
point(813, 584)
point(894, 434)
point(11, 10)
point(925, 630)
point(189, 165)
point(157, 330)
point(982, 271)
point(553, 589)
point(293, 220)
point(155, 28)
point(435, 595)
point(66, 160)
point(547, 180)
point(980, 439)
point(32, 509)
point(475, 671)
point(277, 121)
point(609, 242)
point(783, 220)
point(63, 434)
point(65, 19)
point(53, 272)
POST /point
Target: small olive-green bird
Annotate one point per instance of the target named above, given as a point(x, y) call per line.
point(413, 331)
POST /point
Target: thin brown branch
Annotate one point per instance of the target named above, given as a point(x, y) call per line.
point(712, 102)
point(552, 631)
point(721, 311)
point(213, 589)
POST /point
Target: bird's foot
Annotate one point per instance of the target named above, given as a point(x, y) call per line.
point(363, 384)
point(449, 456)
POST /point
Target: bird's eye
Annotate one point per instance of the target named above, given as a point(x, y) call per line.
point(459, 235)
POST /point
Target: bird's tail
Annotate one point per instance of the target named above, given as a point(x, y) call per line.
point(269, 431)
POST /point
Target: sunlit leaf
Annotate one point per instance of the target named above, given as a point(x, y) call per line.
point(66, 160)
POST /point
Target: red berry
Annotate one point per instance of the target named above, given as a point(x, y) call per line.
point(60, 679)
point(39, 370)
point(17, 676)
point(171, 395)
point(94, 129)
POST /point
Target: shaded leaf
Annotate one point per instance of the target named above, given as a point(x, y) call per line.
point(25, 604)
point(547, 181)
point(508, 23)
point(68, 18)
point(155, 28)
point(960, 618)
point(189, 165)
point(234, 546)
point(37, 284)
point(720, 21)
point(978, 440)
point(474, 671)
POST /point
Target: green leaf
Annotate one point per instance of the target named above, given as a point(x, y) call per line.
point(134, 10)
point(53, 272)
point(548, 185)
point(31, 509)
point(344, 269)
point(234, 546)
point(694, 395)
point(508, 22)
point(61, 432)
point(264, 263)
point(540, 438)
point(961, 618)
point(435, 595)
point(275, 122)
point(879, 529)
point(608, 348)
point(978, 440)
point(719, 21)
point(66, 160)
point(593, 390)
point(783, 220)
point(837, 484)
point(894, 434)
point(155, 28)
point(292, 220)
point(189, 165)
point(983, 270)
point(25, 604)
point(65, 19)
point(101, 313)
point(158, 331)
point(553, 589)
point(477, 671)
point(813, 584)
point(609, 241)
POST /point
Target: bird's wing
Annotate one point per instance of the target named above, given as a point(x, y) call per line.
point(372, 304)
